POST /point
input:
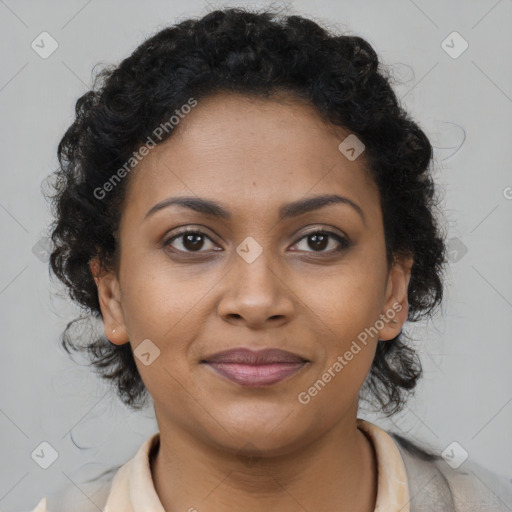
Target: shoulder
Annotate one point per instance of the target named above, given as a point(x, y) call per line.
point(87, 497)
point(108, 490)
point(435, 485)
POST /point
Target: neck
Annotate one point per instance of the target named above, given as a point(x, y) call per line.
point(335, 472)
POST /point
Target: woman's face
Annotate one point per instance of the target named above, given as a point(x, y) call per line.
point(255, 278)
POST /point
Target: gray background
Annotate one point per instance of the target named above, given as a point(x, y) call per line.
point(464, 104)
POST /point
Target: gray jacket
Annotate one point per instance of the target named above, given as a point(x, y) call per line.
point(436, 486)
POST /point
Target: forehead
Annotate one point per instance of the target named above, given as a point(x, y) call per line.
point(250, 153)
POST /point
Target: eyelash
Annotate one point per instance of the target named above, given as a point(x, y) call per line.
point(344, 243)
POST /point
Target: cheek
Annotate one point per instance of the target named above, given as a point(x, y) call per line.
point(349, 347)
point(345, 313)
point(348, 301)
point(172, 392)
point(163, 313)
point(159, 303)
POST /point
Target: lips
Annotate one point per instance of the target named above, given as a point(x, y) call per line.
point(255, 368)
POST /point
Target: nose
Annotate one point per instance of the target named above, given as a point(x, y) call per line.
point(256, 294)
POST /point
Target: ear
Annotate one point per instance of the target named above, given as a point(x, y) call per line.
point(110, 303)
point(396, 307)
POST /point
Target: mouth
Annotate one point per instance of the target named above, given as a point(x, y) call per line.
point(254, 369)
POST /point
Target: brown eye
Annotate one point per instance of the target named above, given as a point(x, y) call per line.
point(191, 241)
point(318, 241)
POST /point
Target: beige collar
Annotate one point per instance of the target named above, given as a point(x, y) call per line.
point(133, 490)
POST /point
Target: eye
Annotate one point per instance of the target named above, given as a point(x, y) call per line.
point(319, 240)
point(191, 240)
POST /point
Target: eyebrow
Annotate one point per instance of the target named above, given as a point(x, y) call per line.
point(294, 209)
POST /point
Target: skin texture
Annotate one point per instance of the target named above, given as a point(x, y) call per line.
point(252, 156)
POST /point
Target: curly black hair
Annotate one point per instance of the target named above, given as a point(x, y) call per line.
point(253, 53)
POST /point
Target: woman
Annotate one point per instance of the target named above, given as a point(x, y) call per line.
point(250, 212)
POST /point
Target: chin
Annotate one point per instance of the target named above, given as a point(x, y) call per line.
point(272, 430)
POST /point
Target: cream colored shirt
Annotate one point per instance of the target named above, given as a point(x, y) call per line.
point(132, 488)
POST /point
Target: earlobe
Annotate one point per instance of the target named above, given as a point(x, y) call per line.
point(117, 336)
point(109, 298)
point(396, 306)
